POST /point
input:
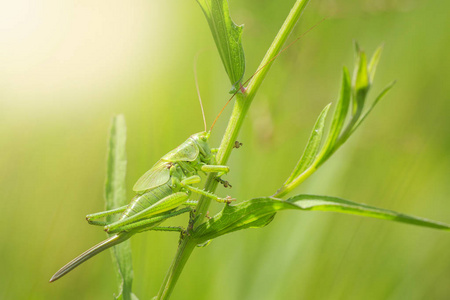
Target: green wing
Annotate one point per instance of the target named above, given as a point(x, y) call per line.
point(156, 176)
point(188, 151)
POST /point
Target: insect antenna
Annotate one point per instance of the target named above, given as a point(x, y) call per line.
point(242, 88)
point(198, 90)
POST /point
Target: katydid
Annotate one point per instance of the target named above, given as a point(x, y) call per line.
point(164, 188)
point(160, 191)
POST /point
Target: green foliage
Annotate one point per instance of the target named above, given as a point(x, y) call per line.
point(116, 166)
point(227, 36)
point(312, 147)
point(360, 83)
point(341, 110)
point(57, 106)
point(115, 195)
point(350, 106)
point(259, 212)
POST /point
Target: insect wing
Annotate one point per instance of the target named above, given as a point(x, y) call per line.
point(156, 176)
point(188, 151)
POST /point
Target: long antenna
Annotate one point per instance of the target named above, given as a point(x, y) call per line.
point(198, 90)
point(242, 88)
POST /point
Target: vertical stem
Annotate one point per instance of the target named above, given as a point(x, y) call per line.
point(240, 109)
point(184, 251)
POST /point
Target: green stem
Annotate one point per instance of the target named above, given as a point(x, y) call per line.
point(296, 182)
point(240, 109)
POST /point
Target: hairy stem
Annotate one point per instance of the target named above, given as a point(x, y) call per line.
point(240, 109)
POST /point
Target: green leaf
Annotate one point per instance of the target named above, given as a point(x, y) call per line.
point(131, 297)
point(360, 83)
point(249, 214)
point(116, 166)
point(327, 203)
point(115, 195)
point(312, 147)
point(259, 212)
point(351, 91)
point(341, 108)
point(339, 116)
point(374, 63)
point(357, 49)
point(379, 97)
point(227, 36)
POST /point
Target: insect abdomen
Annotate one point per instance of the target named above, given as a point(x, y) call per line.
point(147, 199)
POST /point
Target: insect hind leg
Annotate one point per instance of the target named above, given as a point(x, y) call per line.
point(92, 217)
point(167, 203)
point(150, 223)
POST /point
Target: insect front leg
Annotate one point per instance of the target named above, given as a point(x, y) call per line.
point(186, 183)
point(91, 217)
point(221, 170)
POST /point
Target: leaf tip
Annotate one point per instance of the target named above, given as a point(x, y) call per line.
point(357, 47)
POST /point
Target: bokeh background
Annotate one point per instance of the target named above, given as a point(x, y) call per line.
point(66, 67)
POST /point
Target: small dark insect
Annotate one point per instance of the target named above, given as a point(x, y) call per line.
point(237, 144)
point(224, 183)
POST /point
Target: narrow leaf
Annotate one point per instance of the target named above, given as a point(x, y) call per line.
point(340, 114)
point(357, 49)
point(259, 212)
point(312, 147)
point(326, 203)
point(115, 195)
point(115, 189)
point(381, 95)
point(360, 83)
point(374, 63)
point(227, 36)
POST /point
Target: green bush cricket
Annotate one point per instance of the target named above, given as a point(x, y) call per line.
point(159, 192)
point(165, 187)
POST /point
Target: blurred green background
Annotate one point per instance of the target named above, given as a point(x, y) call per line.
point(68, 66)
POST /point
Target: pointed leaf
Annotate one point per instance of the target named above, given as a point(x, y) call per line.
point(374, 63)
point(227, 36)
point(381, 95)
point(357, 49)
point(360, 83)
point(115, 195)
point(327, 203)
point(116, 168)
point(339, 116)
point(312, 148)
point(260, 211)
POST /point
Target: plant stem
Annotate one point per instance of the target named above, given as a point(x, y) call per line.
point(240, 109)
point(296, 182)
